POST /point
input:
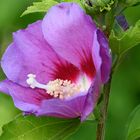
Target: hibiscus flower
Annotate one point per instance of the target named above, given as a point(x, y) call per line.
point(55, 66)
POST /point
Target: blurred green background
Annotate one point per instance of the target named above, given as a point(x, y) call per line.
point(125, 92)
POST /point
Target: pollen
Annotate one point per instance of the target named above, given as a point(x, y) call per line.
point(58, 88)
point(62, 88)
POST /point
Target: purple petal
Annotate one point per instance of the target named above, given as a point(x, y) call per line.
point(102, 56)
point(92, 98)
point(25, 99)
point(30, 53)
point(79, 106)
point(3, 87)
point(70, 32)
point(64, 108)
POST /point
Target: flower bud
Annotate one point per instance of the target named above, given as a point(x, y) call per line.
point(101, 5)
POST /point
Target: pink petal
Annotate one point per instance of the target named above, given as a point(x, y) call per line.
point(63, 108)
point(91, 98)
point(26, 99)
point(70, 32)
point(30, 53)
point(102, 57)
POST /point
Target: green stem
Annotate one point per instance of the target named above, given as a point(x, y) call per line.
point(100, 135)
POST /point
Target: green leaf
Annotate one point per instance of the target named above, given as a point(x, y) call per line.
point(2, 75)
point(132, 2)
point(133, 131)
point(126, 40)
point(39, 128)
point(91, 118)
point(40, 6)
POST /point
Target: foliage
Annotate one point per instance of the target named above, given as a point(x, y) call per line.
point(31, 127)
point(126, 40)
point(133, 132)
point(42, 6)
point(132, 2)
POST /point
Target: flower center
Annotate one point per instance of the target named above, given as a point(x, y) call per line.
point(58, 88)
